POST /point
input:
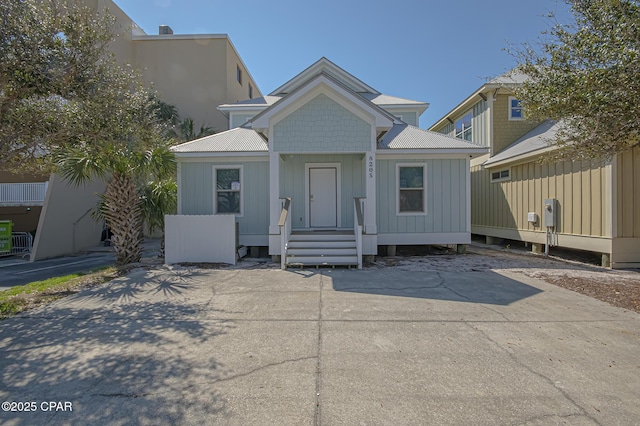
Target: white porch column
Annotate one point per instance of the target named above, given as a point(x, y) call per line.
point(275, 207)
point(370, 239)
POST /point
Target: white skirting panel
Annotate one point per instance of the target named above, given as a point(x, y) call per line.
point(210, 239)
point(425, 238)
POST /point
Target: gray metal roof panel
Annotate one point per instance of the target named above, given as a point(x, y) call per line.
point(404, 136)
point(234, 140)
point(382, 99)
point(257, 102)
point(511, 77)
point(537, 139)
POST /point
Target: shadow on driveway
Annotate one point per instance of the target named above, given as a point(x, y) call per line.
point(104, 350)
point(493, 288)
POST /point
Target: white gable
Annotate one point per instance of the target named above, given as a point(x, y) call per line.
point(323, 83)
point(323, 65)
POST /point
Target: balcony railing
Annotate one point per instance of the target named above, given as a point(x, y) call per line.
point(23, 194)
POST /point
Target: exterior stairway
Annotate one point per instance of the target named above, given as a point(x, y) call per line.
point(322, 248)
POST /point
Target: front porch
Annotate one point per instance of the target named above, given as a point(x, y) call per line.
point(321, 247)
point(322, 208)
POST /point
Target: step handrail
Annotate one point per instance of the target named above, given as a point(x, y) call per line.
point(285, 231)
point(358, 222)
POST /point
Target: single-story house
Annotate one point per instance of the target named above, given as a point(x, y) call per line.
point(325, 169)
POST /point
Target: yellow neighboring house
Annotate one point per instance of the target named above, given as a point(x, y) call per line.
point(193, 72)
point(579, 205)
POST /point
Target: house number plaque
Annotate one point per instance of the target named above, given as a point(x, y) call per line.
point(370, 166)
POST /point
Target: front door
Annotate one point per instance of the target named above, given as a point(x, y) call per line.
point(323, 197)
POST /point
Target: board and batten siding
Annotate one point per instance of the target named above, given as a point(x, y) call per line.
point(446, 192)
point(197, 189)
point(321, 125)
point(479, 124)
point(409, 117)
point(628, 193)
point(579, 187)
point(293, 181)
point(237, 120)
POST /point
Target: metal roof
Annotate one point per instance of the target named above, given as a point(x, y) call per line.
point(382, 99)
point(536, 140)
point(234, 140)
point(260, 102)
point(511, 77)
point(404, 136)
point(508, 81)
point(376, 98)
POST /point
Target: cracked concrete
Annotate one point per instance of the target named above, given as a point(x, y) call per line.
point(324, 347)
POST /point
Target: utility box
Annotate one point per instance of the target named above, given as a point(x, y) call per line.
point(6, 226)
point(549, 212)
point(532, 217)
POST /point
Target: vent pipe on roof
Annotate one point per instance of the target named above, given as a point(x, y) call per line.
point(165, 30)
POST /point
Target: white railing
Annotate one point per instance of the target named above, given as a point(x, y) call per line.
point(358, 220)
point(285, 231)
point(23, 194)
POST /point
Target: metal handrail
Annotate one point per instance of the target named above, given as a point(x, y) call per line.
point(285, 231)
point(358, 222)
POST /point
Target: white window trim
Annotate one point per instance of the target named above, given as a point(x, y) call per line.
point(455, 131)
point(424, 189)
point(215, 188)
point(511, 118)
point(502, 179)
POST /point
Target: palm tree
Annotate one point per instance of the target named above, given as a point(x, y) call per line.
point(188, 131)
point(121, 206)
point(159, 197)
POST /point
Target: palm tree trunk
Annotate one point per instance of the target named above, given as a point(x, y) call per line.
point(123, 215)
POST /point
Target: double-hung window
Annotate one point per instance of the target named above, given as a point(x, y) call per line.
point(411, 189)
point(228, 192)
point(463, 127)
point(515, 109)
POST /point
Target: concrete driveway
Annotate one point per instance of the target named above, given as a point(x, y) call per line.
point(380, 346)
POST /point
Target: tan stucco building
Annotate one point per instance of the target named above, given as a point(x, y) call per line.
point(193, 72)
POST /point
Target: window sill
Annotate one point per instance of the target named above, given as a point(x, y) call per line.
point(411, 214)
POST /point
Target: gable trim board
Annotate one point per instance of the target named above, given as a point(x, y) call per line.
point(321, 128)
point(327, 85)
point(321, 66)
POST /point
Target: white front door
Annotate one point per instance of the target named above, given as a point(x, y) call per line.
point(323, 197)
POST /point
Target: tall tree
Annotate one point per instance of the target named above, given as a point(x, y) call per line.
point(586, 75)
point(67, 104)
